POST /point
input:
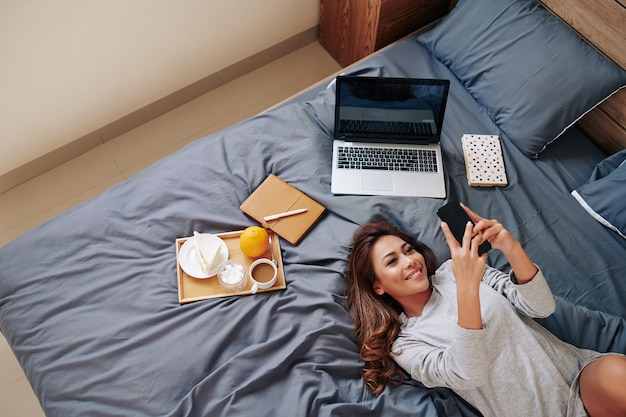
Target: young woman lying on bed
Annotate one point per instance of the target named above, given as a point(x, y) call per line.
point(469, 327)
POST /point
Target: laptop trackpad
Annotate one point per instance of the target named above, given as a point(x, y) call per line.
point(378, 182)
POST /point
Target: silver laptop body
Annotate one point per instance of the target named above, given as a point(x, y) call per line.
point(387, 133)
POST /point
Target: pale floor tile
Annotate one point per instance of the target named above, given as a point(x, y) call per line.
point(11, 369)
point(16, 396)
point(220, 108)
point(174, 127)
point(138, 165)
point(55, 187)
point(18, 400)
point(85, 177)
point(282, 78)
point(94, 191)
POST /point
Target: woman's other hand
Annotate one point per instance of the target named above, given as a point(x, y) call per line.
point(491, 231)
point(500, 238)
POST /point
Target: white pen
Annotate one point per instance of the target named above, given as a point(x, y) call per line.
point(285, 214)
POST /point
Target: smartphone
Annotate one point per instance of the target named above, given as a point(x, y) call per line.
point(456, 218)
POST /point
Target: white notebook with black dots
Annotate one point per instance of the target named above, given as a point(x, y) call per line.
point(483, 160)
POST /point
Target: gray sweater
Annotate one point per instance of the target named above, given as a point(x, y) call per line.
point(511, 367)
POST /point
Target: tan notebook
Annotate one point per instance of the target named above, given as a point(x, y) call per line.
point(275, 196)
point(483, 160)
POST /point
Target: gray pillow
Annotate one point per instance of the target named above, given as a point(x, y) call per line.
point(533, 75)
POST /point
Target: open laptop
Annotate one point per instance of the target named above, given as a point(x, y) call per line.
point(387, 134)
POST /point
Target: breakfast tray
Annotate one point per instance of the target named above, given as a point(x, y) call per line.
point(193, 289)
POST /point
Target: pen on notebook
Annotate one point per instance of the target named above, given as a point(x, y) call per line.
point(285, 214)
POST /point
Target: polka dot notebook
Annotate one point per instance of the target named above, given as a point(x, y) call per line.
point(483, 160)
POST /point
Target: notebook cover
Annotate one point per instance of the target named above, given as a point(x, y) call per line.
point(483, 161)
point(276, 196)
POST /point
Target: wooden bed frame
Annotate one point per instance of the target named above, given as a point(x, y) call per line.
point(603, 24)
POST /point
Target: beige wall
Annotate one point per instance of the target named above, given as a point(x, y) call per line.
point(70, 67)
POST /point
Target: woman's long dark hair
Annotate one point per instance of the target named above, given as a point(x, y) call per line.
point(377, 318)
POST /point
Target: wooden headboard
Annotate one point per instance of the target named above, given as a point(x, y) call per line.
point(603, 24)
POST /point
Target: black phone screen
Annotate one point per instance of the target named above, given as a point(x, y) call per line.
point(456, 218)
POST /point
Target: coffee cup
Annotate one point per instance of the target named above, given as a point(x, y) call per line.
point(263, 273)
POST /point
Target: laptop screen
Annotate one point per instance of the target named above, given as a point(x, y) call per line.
point(397, 110)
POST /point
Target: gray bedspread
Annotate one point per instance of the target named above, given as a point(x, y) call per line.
point(88, 301)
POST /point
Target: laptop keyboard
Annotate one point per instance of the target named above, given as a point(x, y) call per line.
point(387, 159)
point(383, 127)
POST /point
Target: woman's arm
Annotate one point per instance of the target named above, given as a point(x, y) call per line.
point(534, 299)
point(468, 268)
point(464, 364)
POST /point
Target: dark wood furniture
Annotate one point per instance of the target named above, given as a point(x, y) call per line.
point(353, 29)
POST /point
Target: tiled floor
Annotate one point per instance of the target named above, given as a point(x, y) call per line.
point(35, 201)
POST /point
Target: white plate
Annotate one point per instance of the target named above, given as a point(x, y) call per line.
point(189, 261)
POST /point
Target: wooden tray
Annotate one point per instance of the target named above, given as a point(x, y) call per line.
point(193, 289)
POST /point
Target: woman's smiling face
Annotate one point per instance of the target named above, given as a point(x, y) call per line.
point(400, 269)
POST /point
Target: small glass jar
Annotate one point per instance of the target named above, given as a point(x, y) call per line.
point(232, 276)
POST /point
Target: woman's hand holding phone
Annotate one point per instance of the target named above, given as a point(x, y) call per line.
point(489, 233)
point(468, 268)
point(456, 217)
